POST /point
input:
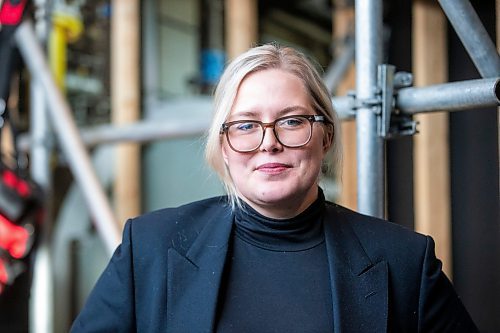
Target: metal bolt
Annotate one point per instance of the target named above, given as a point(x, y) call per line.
point(403, 79)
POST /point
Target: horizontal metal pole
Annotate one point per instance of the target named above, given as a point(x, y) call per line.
point(68, 137)
point(144, 131)
point(473, 35)
point(343, 105)
point(139, 132)
point(455, 96)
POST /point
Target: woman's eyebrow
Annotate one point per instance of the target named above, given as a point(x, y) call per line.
point(251, 114)
point(248, 114)
point(292, 108)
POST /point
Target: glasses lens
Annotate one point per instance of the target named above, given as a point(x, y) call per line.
point(245, 136)
point(293, 131)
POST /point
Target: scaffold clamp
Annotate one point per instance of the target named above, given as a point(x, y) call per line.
point(391, 123)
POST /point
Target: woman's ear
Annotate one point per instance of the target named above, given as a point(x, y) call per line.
point(224, 153)
point(328, 137)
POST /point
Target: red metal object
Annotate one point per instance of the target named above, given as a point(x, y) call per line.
point(14, 239)
point(12, 11)
point(10, 179)
point(21, 212)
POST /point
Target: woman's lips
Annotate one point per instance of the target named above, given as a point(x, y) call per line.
point(272, 168)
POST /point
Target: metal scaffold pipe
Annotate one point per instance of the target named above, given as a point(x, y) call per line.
point(453, 96)
point(68, 137)
point(343, 105)
point(473, 35)
point(143, 131)
point(335, 72)
point(370, 147)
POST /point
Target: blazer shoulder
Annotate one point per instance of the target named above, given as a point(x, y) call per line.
point(177, 227)
point(381, 238)
point(369, 226)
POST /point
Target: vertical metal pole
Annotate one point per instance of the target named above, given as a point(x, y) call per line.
point(41, 305)
point(41, 311)
point(150, 39)
point(370, 147)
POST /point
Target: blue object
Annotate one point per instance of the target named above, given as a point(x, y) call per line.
point(212, 65)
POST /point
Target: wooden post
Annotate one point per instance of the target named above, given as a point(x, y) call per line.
point(6, 139)
point(125, 103)
point(7, 146)
point(241, 26)
point(497, 3)
point(431, 145)
point(343, 22)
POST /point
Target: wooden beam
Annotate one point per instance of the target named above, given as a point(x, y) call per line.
point(7, 141)
point(241, 26)
point(343, 20)
point(431, 145)
point(498, 23)
point(125, 103)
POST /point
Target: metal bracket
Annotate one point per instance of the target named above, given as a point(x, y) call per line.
point(385, 75)
point(401, 125)
point(357, 103)
point(390, 123)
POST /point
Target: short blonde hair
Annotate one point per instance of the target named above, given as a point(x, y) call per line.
point(268, 56)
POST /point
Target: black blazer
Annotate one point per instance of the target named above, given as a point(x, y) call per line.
point(165, 276)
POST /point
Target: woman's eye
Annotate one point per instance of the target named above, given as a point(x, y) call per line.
point(291, 122)
point(245, 126)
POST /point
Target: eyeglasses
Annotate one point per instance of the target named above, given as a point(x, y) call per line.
point(245, 136)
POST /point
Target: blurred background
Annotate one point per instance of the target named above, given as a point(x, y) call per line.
point(137, 78)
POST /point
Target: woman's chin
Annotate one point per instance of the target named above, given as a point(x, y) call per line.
point(278, 199)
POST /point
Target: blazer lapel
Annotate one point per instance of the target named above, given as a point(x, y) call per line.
point(194, 279)
point(359, 286)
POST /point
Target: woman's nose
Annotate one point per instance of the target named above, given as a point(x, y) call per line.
point(270, 142)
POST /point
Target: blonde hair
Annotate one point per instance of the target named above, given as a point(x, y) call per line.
point(268, 56)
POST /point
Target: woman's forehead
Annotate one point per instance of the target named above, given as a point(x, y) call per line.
point(270, 92)
point(257, 113)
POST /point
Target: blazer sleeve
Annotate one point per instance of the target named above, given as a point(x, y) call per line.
point(110, 305)
point(440, 308)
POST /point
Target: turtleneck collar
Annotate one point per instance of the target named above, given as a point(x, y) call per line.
point(299, 233)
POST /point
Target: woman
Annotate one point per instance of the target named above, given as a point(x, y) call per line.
point(272, 256)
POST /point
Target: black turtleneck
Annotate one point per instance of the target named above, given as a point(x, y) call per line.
point(276, 277)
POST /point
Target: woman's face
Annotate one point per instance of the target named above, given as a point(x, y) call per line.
point(277, 181)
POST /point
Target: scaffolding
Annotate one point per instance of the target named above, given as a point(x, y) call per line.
point(382, 106)
point(381, 93)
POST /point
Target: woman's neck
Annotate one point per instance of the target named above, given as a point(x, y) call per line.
point(285, 209)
